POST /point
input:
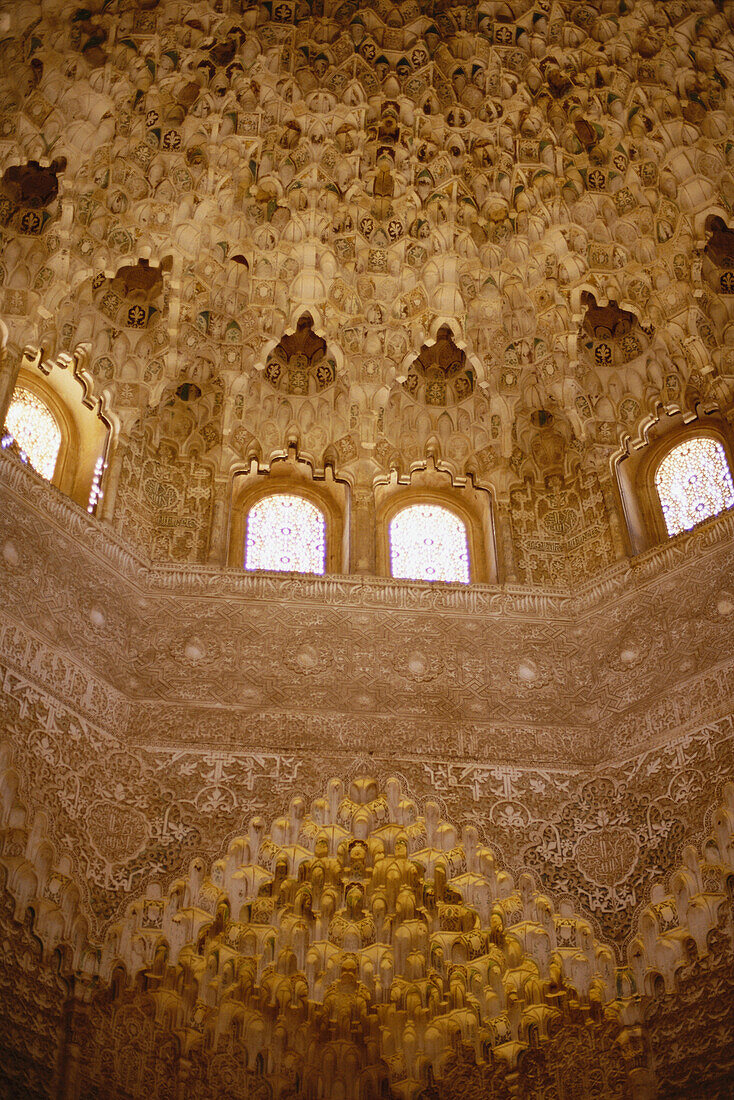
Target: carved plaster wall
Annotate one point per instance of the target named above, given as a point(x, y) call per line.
point(148, 740)
point(487, 243)
point(504, 225)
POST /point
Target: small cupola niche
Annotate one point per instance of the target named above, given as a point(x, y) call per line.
point(299, 364)
point(440, 375)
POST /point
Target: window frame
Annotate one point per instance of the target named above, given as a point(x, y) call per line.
point(707, 433)
point(636, 469)
point(415, 501)
point(67, 458)
point(282, 495)
point(246, 495)
point(444, 498)
point(28, 393)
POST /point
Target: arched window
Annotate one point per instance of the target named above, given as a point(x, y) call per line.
point(285, 532)
point(33, 428)
point(693, 482)
point(428, 543)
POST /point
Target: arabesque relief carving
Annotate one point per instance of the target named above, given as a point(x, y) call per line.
point(484, 250)
point(579, 739)
point(542, 190)
point(363, 948)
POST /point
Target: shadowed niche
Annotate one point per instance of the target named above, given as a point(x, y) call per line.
point(440, 375)
point(31, 185)
point(299, 364)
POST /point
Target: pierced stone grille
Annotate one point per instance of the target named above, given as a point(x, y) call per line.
point(34, 429)
point(285, 533)
point(428, 543)
point(694, 482)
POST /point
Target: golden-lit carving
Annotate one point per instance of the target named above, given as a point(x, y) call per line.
point(375, 260)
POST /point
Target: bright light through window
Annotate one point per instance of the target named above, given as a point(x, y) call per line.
point(694, 482)
point(285, 533)
point(95, 493)
point(428, 543)
point(33, 427)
